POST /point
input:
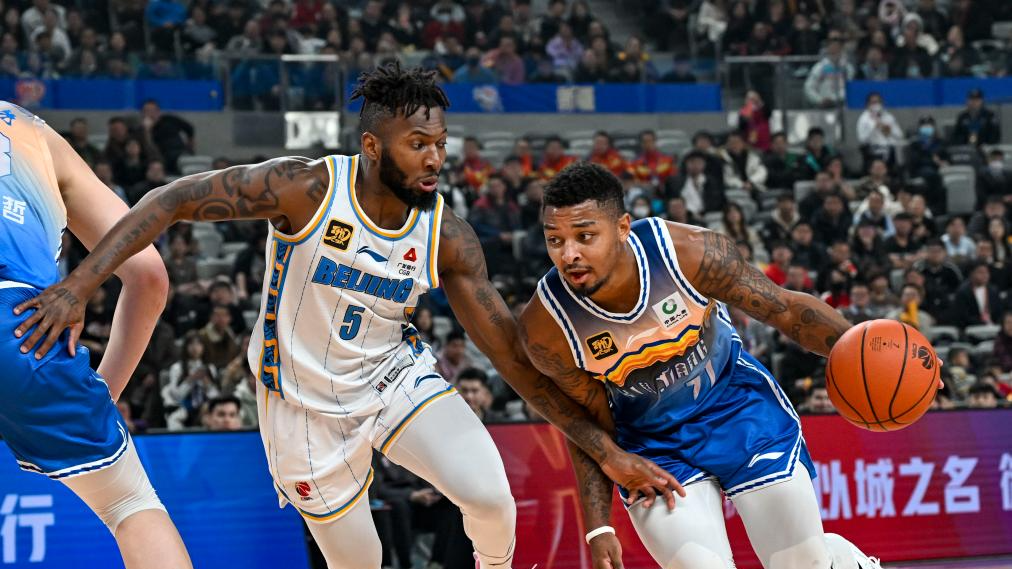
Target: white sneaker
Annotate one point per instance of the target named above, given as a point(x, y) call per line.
point(846, 555)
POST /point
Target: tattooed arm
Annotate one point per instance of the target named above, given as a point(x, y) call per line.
point(550, 353)
point(715, 267)
point(488, 322)
point(287, 191)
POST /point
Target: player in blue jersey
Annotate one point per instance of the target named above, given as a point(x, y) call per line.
point(632, 322)
point(57, 414)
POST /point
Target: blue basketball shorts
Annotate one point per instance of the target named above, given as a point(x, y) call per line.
point(57, 415)
point(747, 439)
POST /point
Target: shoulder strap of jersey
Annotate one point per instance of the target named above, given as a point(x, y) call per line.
point(660, 240)
point(560, 305)
point(432, 242)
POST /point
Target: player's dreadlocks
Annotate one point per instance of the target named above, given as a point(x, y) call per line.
point(390, 90)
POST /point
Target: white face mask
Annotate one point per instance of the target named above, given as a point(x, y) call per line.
point(875, 107)
point(641, 211)
point(997, 165)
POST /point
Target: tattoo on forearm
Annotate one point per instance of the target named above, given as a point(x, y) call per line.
point(813, 329)
point(558, 394)
point(724, 273)
point(104, 262)
point(595, 488)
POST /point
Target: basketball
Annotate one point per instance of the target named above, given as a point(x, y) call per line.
point(882, 375)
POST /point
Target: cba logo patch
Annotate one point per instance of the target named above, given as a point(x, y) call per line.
point(303, 490)
point(338, 235)
point(602, 345)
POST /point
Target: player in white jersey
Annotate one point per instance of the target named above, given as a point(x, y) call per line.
point(353, 241)
point(58, 415)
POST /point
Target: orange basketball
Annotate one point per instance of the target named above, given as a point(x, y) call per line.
point(882, 375)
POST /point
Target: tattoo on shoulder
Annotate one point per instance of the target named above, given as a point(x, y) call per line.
point(469, 258)
point(725, 274)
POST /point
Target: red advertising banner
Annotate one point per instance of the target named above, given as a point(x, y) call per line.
point(941, 488)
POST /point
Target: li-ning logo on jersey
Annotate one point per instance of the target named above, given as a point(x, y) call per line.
point(338, 235)
point(342, 276)
point(602, 345)
point(372, 254)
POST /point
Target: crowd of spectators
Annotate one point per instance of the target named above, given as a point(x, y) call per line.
point(499, 41)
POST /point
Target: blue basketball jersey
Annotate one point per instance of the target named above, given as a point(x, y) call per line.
point(661, 362)
point(56, 416)
point(682, 390)
point(32, 214)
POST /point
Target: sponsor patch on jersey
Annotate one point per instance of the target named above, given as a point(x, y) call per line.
point(338, 235)
point(602, 345)
point(410, 255)
point(671, 310)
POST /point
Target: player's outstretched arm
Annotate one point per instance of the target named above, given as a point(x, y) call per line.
point(712, 263)
point(92, 209)
point(285, 190)
point(487, 320)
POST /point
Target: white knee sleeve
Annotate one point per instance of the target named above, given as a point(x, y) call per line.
point(117, 492)
point(692, 536)
point(784, 524)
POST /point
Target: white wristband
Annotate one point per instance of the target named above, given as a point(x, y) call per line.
point(599, 531)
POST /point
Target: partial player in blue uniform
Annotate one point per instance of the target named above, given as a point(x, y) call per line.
point(633, 323)
point(57, 414)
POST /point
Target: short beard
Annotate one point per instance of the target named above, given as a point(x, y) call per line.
point(394, 178)
point(589, 291)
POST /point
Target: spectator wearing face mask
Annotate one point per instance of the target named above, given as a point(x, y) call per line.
point(640, 208)
point(878, 131)
point(927, 154)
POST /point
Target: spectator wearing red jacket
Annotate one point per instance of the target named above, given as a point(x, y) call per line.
point(555, 159)
point(604, 154)
point(475, 169)
point(652, 166)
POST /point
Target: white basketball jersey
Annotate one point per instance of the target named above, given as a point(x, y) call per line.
point(333, 333)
